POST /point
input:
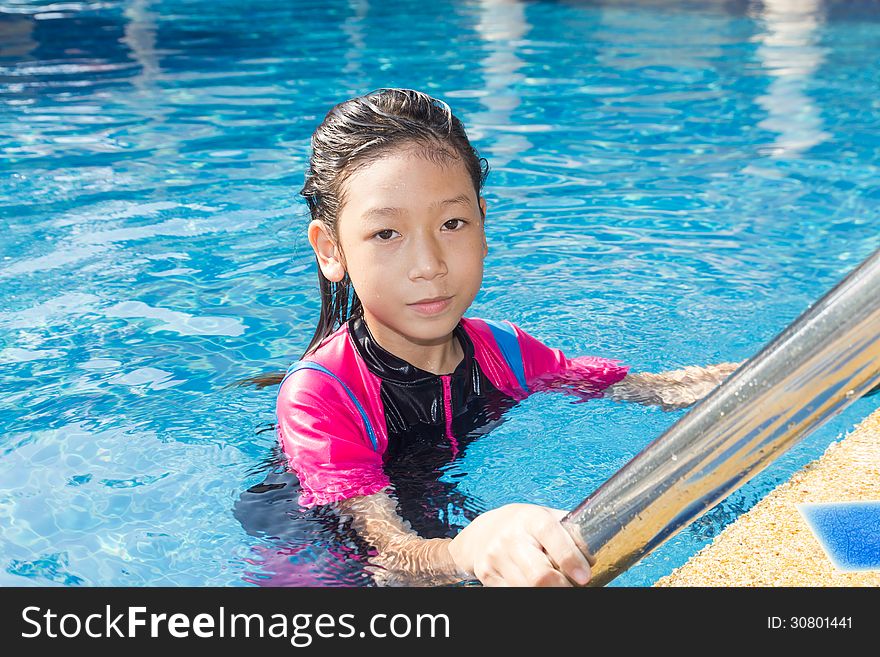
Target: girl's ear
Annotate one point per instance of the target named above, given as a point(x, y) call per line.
point(329, 255)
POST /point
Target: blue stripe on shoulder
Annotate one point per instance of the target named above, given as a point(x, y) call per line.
point(505, 336)
point(309, 365)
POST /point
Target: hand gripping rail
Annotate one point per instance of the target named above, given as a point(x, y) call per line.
point(819, 365)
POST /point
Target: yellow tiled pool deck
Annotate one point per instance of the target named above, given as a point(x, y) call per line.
point(772, 545)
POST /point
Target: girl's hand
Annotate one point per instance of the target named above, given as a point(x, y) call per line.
point(520, 545)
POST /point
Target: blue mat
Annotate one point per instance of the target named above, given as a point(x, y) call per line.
point(849, 532)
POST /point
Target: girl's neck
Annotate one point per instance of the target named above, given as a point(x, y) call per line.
point(438, 357)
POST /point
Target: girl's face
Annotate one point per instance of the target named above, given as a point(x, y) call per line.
point(410, 232)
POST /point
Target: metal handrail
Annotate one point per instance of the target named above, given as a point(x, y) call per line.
point(819, 365)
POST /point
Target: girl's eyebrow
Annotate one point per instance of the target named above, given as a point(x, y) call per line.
point(461, 199)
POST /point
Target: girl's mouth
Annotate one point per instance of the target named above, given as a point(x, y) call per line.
point(431, 306)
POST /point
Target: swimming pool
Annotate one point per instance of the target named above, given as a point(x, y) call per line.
point(670, 185)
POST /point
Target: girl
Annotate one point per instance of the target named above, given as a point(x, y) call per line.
point(395, 379)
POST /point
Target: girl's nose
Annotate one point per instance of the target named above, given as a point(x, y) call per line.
point(428, 260)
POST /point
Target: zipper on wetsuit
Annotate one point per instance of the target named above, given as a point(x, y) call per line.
point(447, 411)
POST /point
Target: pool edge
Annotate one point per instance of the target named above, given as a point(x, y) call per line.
point(772, 545)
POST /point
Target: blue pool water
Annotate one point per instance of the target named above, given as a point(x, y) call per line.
point(671, 184)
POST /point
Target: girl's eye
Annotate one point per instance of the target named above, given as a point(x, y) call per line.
point(387, 234)
point(384, 235)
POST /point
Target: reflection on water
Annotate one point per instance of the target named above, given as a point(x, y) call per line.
point(140, 36)
point(16, 37)
point(354, 27)
point(790, 54)
point(298, 547)
point(501, 26)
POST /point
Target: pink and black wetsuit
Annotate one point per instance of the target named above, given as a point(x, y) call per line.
point(354, 418)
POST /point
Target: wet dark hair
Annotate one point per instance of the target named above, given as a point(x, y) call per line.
point(352, 135)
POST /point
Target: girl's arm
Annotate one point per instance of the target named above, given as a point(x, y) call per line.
point(515, 545)
point(671, 390)
point(404, 558)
